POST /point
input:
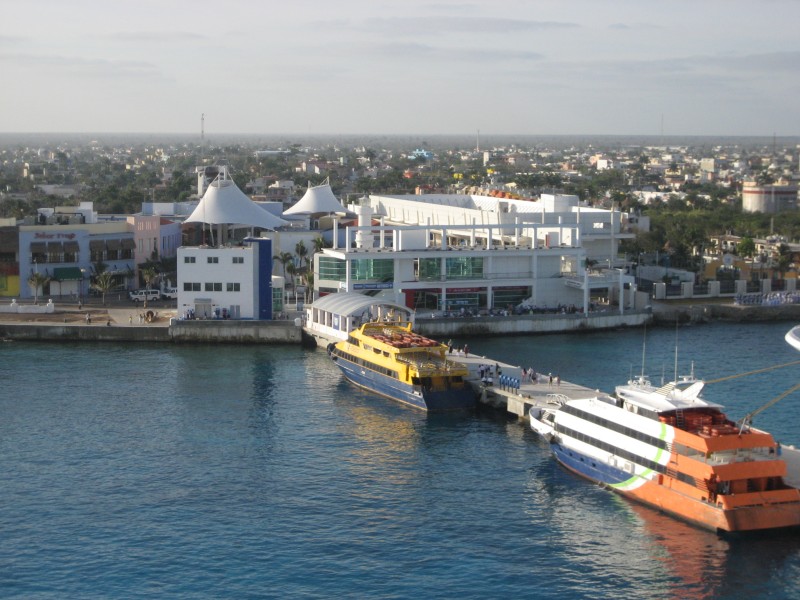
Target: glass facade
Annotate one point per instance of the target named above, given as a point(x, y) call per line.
point(372, 269)
point(464, 267)
point(502, 297)
point(429, 269)
point(332, 269)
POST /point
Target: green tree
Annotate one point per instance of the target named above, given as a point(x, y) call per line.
point(148, 275)
point(784, 259)
point(302, 253)
point(285, 258)
point(37, 281)
point(103, 283)
point(746, 248)
point(319, 244)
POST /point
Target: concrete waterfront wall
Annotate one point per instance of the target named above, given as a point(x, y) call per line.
point(82, 333)
point(239, 332)
point(527, 324)
point(700, 313)
point(233, 332)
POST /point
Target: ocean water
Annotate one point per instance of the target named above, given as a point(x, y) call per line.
point(151, 471)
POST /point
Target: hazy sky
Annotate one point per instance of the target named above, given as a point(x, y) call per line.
point(706, 67)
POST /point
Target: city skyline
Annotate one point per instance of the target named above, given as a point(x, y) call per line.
point(359, 67)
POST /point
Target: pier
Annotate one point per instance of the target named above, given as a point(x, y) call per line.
point(518, 396)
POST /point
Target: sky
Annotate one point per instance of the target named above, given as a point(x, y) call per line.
point(527, 67)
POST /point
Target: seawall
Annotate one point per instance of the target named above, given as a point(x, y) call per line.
point(233, 332)
point(668, 313)
point(528, 324)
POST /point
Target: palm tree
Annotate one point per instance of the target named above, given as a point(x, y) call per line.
point(290, 271)
point(285, 258)
point(302, 253)
point(148, 275)
point(37, 280)
point(319, 244)
point(308, 276)
point(784, 261)
point(103, 283)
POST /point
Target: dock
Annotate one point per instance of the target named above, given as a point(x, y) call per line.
point(518, 395)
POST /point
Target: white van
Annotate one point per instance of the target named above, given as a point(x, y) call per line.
point(170, 293)
point(142, 295)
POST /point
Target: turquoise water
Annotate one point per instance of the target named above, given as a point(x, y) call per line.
point(145, 471)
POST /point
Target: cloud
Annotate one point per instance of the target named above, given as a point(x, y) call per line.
point(412, 51)
point(11, 39)
point(155, 37)
point(76, 66)
point(440, 25)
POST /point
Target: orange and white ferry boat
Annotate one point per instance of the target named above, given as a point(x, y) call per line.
point(669, 448)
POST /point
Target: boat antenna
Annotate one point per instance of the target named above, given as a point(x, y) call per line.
point(644, 348)
point(676, 350)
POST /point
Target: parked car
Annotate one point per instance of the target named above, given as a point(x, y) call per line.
point(142, 295)
point(170, 293)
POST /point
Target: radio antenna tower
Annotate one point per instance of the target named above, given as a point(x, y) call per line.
point(202, 137)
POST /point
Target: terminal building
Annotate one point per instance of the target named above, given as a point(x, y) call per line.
point(475, 253)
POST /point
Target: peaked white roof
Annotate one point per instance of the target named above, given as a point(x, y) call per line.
point(317, 199)
point(225, 203)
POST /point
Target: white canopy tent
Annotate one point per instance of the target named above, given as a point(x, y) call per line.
point(225, 204)
point(317, 199)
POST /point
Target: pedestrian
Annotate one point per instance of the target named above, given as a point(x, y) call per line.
point(466, 350)
point(497, 370)
point(558, 380)
point(88, 319)
point(550, 379)
point(130, 319)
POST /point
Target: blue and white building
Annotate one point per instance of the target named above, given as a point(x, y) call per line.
point(226, 278)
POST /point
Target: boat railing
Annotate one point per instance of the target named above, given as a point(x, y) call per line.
point(557, 399)
point(429, 363)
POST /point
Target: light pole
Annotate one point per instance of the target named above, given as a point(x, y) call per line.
point(83, 276)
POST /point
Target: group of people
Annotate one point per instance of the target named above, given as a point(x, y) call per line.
point(487, 374)
point(460, 351)
point(531, 375)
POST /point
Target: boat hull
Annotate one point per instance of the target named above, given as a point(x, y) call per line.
point(431, 400)
point(652, 493)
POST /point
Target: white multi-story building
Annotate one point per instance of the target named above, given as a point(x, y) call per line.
point(448, 252)
point(228, 279)
point(226, 282)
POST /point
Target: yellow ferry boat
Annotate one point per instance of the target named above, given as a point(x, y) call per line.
point(391, 360)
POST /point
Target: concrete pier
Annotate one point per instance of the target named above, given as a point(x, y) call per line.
point(518, 401)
